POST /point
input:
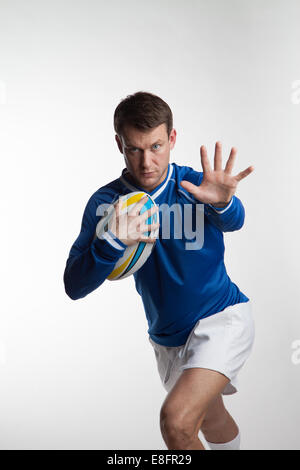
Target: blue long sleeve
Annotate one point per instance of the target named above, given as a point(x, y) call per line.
point(229, 218)
point(90, 260)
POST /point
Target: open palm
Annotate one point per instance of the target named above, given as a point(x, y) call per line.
point(218, 185)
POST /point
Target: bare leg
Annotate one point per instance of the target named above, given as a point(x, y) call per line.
point(218, 425)
point(184, 409)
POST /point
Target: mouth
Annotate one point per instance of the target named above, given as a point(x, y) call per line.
point(148, 174)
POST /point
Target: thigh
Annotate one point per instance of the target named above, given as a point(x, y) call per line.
point(215, 414)
point(193, 393)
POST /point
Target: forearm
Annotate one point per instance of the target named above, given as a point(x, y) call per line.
point(87, 271)
point(228, 218)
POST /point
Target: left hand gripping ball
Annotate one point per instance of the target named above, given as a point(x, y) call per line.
point(134, 255)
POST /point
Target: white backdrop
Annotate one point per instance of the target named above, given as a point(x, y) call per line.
point(82, 375)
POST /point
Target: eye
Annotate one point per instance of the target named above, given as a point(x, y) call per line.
point(157, 146)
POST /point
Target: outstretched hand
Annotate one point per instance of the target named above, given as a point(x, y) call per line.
point(217, 186)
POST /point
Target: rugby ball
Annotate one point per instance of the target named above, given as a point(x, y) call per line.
point(134, 255)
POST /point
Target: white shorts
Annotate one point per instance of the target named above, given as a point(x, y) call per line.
point(221, 342)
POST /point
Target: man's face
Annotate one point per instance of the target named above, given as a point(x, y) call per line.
point(147, 154)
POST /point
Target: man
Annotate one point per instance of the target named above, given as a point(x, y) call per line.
point(200, 323)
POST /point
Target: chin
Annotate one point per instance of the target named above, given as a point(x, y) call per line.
point(147, 187)
point(149, 183)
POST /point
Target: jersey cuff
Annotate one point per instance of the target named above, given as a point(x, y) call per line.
point(109, 247)
point(113, 240)
point(221, 210)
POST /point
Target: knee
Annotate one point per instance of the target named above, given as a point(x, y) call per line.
point(177, 429)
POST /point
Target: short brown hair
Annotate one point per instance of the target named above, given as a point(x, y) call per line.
point(143, 111)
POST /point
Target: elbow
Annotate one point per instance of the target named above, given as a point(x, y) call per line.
point(240, 222)
point(72, 293)
point(235, 227)
point(239, 225)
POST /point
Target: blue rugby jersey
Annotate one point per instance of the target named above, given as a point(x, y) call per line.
point(184, 279)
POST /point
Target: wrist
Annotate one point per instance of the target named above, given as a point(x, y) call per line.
point(221, 205)
point(114, 240)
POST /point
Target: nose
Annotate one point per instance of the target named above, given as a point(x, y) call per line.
point(146, 161)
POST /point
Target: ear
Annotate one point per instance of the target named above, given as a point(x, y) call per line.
point(119, 143)
point(172, 138)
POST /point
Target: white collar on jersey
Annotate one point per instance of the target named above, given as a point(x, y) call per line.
point(157, 191)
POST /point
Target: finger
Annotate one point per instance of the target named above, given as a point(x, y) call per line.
point(244, 173)
point(148, 213)
point(118, 203)
point(204, 160)
point(149, 227)
point(230, 161)
point(218, 157)
point(154, 235)
point(137, 208)
point(147, 240)
point(118, 207)
point(190, 187)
